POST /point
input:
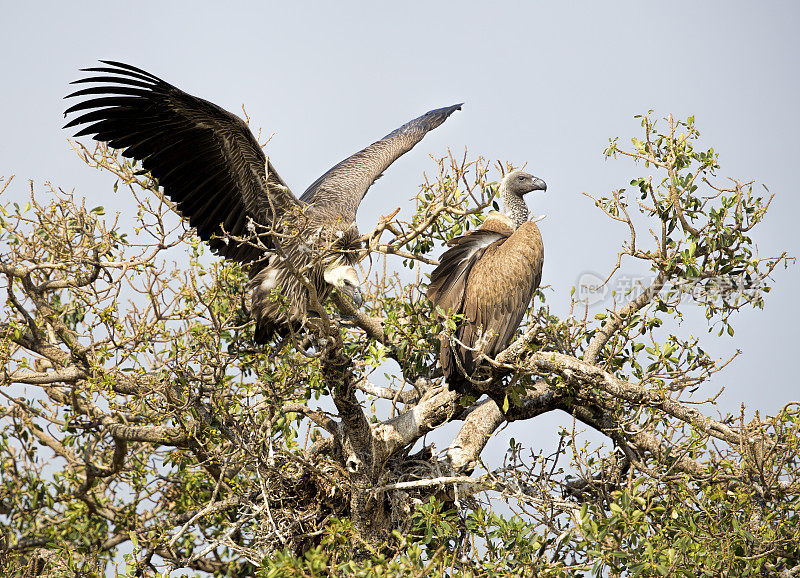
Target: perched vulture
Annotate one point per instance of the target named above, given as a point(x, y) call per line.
point(489, 275)
point(211, 166)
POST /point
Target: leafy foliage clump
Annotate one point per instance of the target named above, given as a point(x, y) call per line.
point(144, 428)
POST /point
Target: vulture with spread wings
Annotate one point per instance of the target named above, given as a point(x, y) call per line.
point(211, 166)
point(489, 275)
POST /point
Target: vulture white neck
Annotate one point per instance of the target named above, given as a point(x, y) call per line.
point(514, 206)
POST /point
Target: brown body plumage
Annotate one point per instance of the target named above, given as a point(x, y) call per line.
point(489, 275)
point(211, 166)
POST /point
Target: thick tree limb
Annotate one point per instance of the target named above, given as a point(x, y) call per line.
point(479, 425)
point(436, 407)
point(576, 371)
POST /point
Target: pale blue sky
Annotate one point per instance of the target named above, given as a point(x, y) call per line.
point(544, 83)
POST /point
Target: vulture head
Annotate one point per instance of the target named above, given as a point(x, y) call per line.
point(519, 183)
point(344, 279)
point(512, 188)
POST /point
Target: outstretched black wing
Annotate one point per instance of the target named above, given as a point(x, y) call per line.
point(205, 158)
point(339, 191)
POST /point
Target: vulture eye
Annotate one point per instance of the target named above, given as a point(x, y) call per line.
point(521, 178)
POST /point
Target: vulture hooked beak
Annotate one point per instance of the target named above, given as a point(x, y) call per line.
point(354, 293)
point(539, 184)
